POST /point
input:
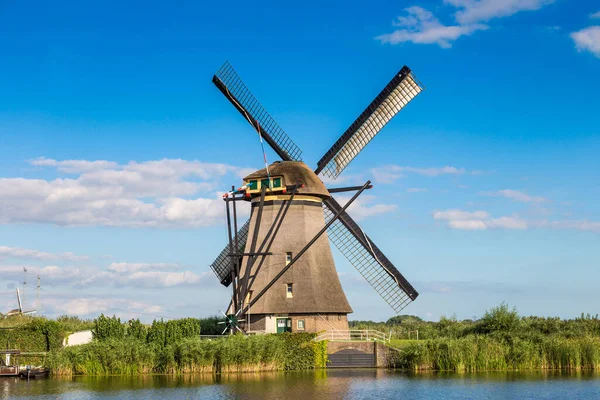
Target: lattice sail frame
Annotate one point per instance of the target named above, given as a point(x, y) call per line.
point(360, 251)
point(222, 265)
point(228, 81)
point(369, 261)
point(394, 97)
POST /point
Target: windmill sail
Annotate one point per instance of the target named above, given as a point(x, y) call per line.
point(398, 93)
point(366, 257)
point(222, 265)
point(230, 84)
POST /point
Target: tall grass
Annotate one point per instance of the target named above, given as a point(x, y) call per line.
point(485, 353)
point(232, 354)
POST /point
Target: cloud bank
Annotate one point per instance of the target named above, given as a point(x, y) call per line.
point(159, 193)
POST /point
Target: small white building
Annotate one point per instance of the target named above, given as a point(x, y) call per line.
point(77, 338)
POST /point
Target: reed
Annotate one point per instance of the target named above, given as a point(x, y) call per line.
point(236, 353)
point(484, 353)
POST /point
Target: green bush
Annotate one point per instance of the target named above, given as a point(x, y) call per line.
point(33, 335)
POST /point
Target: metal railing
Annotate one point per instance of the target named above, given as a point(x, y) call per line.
point(366, 335)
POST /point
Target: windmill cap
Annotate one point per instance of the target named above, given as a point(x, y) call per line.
point(293, 172)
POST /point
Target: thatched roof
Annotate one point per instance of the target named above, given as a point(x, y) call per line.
point(292, 172)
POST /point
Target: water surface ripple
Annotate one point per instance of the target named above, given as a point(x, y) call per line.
point(331, 384)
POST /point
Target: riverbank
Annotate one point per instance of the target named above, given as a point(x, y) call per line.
point(236, 353)
point(484, 353)
point(500, 340)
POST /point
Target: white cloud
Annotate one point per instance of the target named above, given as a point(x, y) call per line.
point(117, 274)
point(361, 207)
point(595, 15)
point(478, 220)
point(417, 190)
point(391, 173)
point(515, 195)
point(50, 274)
point(160, 193)
point(29, 254)
point(482, 220)
point(420, 26)
point(588, 39)
point(74, 166)
point(164, 279)
point(484, 10)
point(123, 267)
point(93, 306)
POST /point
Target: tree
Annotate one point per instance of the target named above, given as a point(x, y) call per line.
point(500, 320)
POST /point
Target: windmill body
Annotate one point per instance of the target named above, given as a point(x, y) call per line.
point(279, 262)
point(309, 296)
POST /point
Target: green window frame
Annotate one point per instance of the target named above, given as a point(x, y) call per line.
point(276, 182)
point(253, 184)
point(264, 182)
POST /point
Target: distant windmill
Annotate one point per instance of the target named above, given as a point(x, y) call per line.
point(280, 261)
point(19, 310)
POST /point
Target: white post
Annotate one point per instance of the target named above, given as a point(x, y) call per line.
point(19, 301)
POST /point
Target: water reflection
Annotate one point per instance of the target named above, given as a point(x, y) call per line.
point(331, 384)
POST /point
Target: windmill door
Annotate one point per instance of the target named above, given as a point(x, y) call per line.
point(284, 325)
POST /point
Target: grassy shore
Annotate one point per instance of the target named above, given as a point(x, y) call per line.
point(500, 340)
point(484, 353)
point(189, 355)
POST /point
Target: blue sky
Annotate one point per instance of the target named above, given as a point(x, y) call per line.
point(115, 147)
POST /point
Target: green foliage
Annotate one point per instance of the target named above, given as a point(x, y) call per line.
point(108, 328)
point(406, 319)
point(296, 350)
point(136, 330)
point(485, 353)
point(500, 321)
point(320, 350)
point(106, 357)
point(72, 324)
point(32, 334)
point(210, 325)
point(163, 334)
point(500, 340)
point(159, 334)
point(235, 353)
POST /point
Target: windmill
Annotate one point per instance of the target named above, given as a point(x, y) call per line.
point(280, 262)
point(19, 310)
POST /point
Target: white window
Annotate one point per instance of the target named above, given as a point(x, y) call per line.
point(289, 291)
point(300, 324)
point(288, 258)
